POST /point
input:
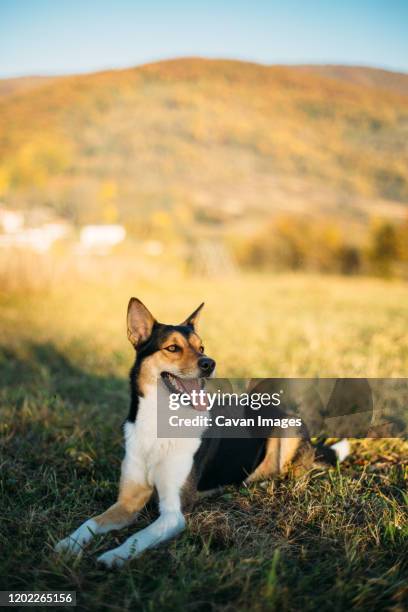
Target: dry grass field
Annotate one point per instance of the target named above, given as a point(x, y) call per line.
point(332, 541)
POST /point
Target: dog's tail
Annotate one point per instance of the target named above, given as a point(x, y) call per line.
point(330, 455)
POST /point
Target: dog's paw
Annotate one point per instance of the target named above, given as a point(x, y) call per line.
point(68, 546)
point(74, 543)
point(112, 558)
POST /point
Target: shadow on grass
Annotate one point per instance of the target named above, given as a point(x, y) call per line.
point(60, 444)
point(43, 370)
point(58, 416)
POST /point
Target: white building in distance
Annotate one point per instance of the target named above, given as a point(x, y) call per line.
point(101, 238)
point(10, 220)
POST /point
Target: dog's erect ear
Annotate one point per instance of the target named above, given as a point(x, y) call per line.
point(192, 320)
point(139, 322)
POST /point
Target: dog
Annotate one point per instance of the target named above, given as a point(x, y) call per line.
point(178, 470)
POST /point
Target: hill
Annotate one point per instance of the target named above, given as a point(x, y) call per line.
point(361, 75)
point(9, 87)
point(204, 142)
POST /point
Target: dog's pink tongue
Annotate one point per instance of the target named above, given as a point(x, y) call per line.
point(201, 400)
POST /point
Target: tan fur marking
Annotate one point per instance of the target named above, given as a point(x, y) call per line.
point(303, 460)
point(288, 449)
point(270, 464)
point(280, 454)
point(132, 498)
point(195, 341)
point(147, 375)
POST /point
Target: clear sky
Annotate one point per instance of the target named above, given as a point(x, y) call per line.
point(68, 36)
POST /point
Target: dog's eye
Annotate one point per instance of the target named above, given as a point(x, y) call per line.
point(173, 348)
point(201, 349)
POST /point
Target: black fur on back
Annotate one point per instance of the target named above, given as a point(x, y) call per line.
point(226, 461)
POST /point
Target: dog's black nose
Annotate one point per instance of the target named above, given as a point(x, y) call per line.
point(206, 365)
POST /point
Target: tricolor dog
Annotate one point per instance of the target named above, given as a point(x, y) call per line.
point(177, 469)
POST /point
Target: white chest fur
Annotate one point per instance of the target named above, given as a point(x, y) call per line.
point(148, 456)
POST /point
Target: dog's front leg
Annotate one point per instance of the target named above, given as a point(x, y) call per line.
point(133, 495)
point(170, 476)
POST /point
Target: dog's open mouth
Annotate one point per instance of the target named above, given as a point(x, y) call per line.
point(189, 386)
